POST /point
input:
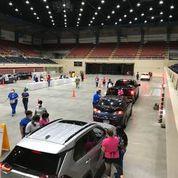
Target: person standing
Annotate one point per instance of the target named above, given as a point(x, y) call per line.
point(49, 80)
point(137, 76)
point(111, 152)
point(13, 98)
point(123, 142)
point(77, 82)
point(33, 125)
point(104, 81)
point(25, 96)
point(109, 84)
point(96, 97)
point(97, 81)
point(40, 109)
point(24, 122)
point(44, 119)
point(82, 76)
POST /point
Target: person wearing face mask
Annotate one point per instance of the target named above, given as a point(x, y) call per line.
point(24, 122)
point(13, 99)
point(40, 109)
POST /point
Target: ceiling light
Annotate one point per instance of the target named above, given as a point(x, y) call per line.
point(83, 3)
point(170, 16)
point(118, 6)
point(161, 13)
point(31, 8)
point(138, 4)
point(115, 23)
point(44, 0)
point(91, 21)
point(102, 24)
point(130, 22)
point(161, 2)
point(113, 12)
point(80, 14)
point(152, 17)
point(125, 16)
point(102, 1)
point(10, 4)
point(65, 20)
point(49, 12)
point(16, 10)
point(81, 10)
point(51, 16)
point(172, 7)
point(78, 19)
point(93, 18)
point(52, 20)
point(136, 19)
point(64, 5)
point(65, 15)
point(34, 13)
point(161, 20)
point(64, 11)
point(77, 22)
point(108, 16)
point(142, 14)
point(120, 20)
point(99, 8)
point(77, 25)
point(151, 9)
point(96, 13)
point(27, 2)
point(131, 10)
point(37, 18)
point(89, 25)
point(53, 24)
point(47, 7)
point(145, 21)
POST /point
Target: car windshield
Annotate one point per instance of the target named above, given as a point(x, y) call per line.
point(110, 102)
point(30, 160)
point(124, 83)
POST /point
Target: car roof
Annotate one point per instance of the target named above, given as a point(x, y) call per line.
point(113, 97)
point(54, 136)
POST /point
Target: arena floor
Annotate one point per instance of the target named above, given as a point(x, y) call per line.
point(146, 154)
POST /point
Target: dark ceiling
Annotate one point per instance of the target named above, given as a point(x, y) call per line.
point(65, 13)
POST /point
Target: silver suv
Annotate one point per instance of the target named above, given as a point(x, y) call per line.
point(62, 149)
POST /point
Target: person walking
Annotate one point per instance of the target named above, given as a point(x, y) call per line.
point(40, 109)
point(25, 97)
point(33, 125)
point(96, 97)
point(49, 80)
point(77, 82)
point(137, 76)
point(111, 152)
point(97, 81)
point(24, 122)
point(44, 119)
point(82, 76)
point(13, 99)
point(104, 81)
point(123, 142)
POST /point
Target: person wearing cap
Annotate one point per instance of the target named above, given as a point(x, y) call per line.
point(25, 97)
point(40, 109)
point(96, 97)
point(13, 99)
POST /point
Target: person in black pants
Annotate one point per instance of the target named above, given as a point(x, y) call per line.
point(25, 97)
point(123, 142)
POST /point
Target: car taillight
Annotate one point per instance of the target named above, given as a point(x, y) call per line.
point(119, 113)
point(5, 167)
point(96, 110)
point(132, 92)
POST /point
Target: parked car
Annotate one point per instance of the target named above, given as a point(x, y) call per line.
point(23, 75)
point(62, 149)
point(9, 78)
point(128, 88)
point(1, 79)
point(115, 110)
point(145, 76)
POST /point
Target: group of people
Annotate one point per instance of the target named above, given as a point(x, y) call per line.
point(114, 149)
point(104, 82)
point(31, 123)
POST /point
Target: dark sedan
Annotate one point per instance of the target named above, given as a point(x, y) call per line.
point(128, 88)
point(113, 110)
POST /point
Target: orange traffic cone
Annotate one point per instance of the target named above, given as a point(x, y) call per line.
point(73, 93)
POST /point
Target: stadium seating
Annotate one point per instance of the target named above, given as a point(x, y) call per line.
point(103, 50)
point(153, 50)
point(80, 51)
point(126, 50)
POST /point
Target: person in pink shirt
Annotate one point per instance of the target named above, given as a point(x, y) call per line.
point(44, 119)
point(111, 152)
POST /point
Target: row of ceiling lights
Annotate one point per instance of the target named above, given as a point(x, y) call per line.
point(65, 15)
point(80, 13)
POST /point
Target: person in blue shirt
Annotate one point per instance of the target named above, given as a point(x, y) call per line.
point(25, 96)
point(24, 122)
point(96, 97)
point(13, 99)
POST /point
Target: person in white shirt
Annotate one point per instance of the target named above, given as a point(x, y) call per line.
point(33, 125)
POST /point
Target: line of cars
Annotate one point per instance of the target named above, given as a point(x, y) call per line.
point(116, 107)
point(12, 78)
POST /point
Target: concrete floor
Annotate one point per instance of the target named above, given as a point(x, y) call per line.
point(146, 154)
